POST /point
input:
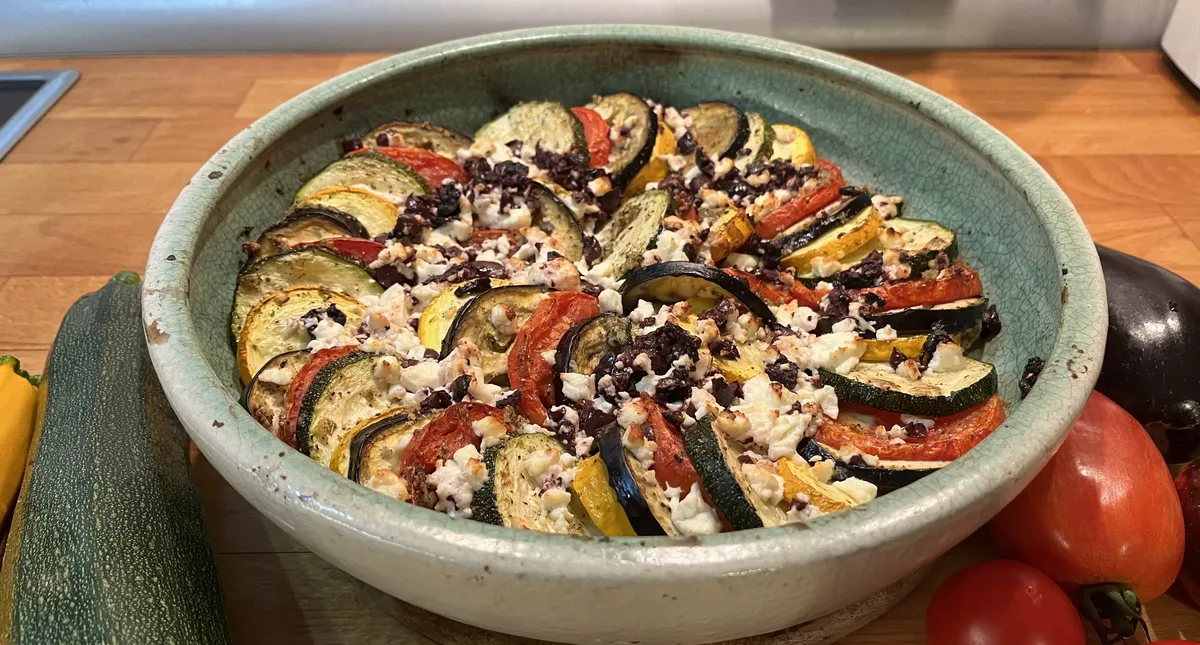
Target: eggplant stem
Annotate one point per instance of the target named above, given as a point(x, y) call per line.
point(1114, 611)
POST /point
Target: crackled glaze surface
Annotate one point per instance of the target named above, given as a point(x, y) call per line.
point(1037, 262)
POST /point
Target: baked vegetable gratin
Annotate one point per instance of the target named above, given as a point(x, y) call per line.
point(620, 318)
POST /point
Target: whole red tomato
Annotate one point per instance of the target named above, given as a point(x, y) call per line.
point(1102, 518)
point(1001, 602)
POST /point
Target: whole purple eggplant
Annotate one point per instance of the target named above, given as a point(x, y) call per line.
point(1152, 360)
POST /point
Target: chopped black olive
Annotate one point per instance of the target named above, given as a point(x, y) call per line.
point(784, 372)
point(1033, 369)
point(897, 358)
point(991, 324)
point(479, 285)
point(458, 389)
point(937, 336)
point(665, 345)
point(685, 145)
point(916, 430)
point(724, 348)
point(350, 145)
point(591, 249)
point(437, 400)
point(408, 227)
point(672, 390)
point(725, 392)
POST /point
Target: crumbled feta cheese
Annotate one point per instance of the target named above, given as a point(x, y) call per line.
point(838, 351)
point(826, 397)
point(642, 448)
point(456, 481)
point(844, 325)
point(767, 485)
point(610, 301)
point(276, 376)
point(692, 515)
point(632, 413)
point(797, 317)
point(550, 356)
point(741, 261)
point(887, 205)
point(600, 186)
point(704, 402)
point(643, 311)
point(825, 266)
point(501, 318)
point(886, 333)
point(668, 247)
point(676, 162)
point(490, 429)
point(822, 470)
point(578, 387)
point(948, 357)
point(329, 333)
point(722, 167)
point(861, 491)
point(909, 369)
point(786, 434)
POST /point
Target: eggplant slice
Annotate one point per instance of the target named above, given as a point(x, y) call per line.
point(376, 214)
point(374, 171)
point(342, 394)
point(307, 266)
point(264, 397)
point(633, 150)
point(266, 333)
point(413, 134)
point(379, 444)
point(544, 124)
point(474, 323)
point(582, 347)
point(886, 474)
point(301, 226)
point(553, 217)
point(719, 129)
point(511, 497)
point(955, 317)
point(935, 394)
point(672, 282)
point(637, 490)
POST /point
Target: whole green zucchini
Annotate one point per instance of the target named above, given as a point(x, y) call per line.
point(108, 543)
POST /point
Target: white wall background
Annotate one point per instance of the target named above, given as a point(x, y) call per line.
point(50, 27)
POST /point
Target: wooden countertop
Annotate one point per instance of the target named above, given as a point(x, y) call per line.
point(82, 195)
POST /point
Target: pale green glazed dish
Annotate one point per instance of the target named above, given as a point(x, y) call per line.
point(1016, 226)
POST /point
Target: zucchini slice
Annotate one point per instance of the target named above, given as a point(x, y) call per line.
point(474, 323)
point(511, 497)
point(758, 142)
point(598, 498)
point(306, 225)
point(342, 394)
point(413, 134)
point(373, 171)
point(265, 334)
point(935, 394)
point(376, 214)
point(717, 463)
point(553, 217)
point(632, 229)
point(582, 347)
point(637, 490)
point(884, 473)
point(379, 443)
point(919, 240)
point(307, 266)
point(853, 229)
point(955, 317)
point(545, 124)
point(792, 143)
point(719, 129)
point(439, 314)
point(632, 150)
point(264, 397)
point(672, 282)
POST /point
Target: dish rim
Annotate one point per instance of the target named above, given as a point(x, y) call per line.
point(1013, 453)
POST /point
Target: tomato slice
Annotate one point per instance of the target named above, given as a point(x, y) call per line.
point(956, 283)
point(365, 251)
point(765, 290)
point(433, 167)
point(440, 439)
point(527, 370)
point(299, 386)
point(949, 438)
point(595, 130)
point(829, 181)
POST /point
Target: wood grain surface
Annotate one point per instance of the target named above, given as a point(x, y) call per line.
point(82, 195)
